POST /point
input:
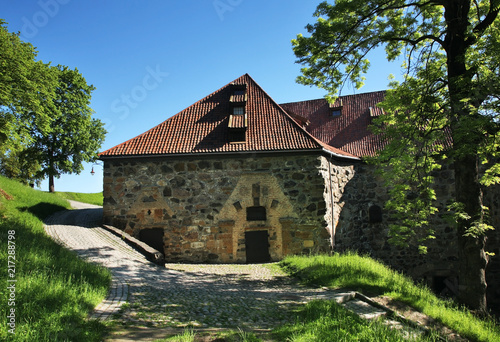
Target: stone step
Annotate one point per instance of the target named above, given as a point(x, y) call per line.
point(364, 310)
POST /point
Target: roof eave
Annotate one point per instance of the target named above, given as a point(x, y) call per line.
point(343, 156)
point(228, 153)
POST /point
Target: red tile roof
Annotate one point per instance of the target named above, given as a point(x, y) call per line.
point(348, 132)
point(237, 121)
point(203, 128)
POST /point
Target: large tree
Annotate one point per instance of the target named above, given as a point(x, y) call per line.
point(46, 123)
point(73, 136)
point(26, 85)
point(445, 109)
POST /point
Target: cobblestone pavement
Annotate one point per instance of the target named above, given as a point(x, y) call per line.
point(244, 296)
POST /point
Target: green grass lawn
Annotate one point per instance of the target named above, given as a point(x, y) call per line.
point(53, 289)
point(92, 198)
point(373, 278)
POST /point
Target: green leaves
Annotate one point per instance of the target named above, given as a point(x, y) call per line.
point(74, 136)
point(447, 106)
point(46, 124)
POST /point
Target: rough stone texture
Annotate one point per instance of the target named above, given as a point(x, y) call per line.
point(312, 203)
point(355, 229)
point(366, 193)
point(201, 204)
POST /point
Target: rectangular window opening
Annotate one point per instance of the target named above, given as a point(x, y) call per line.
point(240, 110)
point(337, 111)
point(257, 213)
point(237, 135)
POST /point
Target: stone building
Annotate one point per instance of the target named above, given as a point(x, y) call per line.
point(238, 178)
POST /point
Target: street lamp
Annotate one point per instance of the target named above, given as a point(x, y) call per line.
point(92, 172)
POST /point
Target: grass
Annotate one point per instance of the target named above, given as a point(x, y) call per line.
point(189, 335)
point(373, 278)
point(327, 321)
point(92, 198)
point(54, 289)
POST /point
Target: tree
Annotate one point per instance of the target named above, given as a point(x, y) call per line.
point(46, 124)
point(446, 108)
point(26, 86)
point(73, 136)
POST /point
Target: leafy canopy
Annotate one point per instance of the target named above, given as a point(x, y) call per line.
point(73, 136)
point(46, 124)
point(447, 106)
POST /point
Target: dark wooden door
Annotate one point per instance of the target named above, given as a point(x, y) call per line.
point(153, 237)
point(257, 246)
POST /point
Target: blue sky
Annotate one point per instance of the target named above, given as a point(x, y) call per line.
point(150, 59)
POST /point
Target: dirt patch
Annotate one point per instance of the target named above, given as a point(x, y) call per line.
point(421, 319)
point(5, 195)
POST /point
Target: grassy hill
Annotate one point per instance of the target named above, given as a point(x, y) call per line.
point(92, 198)
point(46, 290)
point(375, 279)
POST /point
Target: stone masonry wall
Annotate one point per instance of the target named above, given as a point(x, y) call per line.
point(200, 208)
point(363, 224)
point(201, 204)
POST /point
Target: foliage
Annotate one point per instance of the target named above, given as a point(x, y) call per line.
point(370, 277)
point(25, 83)
point(188, 335)
point(46, 124)
point(26, 86)
point(73, 136)
point(446, 108)
point(55, 290)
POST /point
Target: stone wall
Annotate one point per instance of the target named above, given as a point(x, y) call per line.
point(196, 210)
point(201, 204)
point(363, 225)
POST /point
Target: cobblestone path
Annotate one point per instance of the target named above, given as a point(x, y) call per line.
point(222, 296)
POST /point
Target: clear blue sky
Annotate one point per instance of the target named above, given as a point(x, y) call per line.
point(150, 59)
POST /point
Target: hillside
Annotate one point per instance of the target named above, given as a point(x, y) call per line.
point(49, 290)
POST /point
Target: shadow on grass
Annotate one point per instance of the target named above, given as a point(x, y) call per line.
point(43, 210)
point(55, 289)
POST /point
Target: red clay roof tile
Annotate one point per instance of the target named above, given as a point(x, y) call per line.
point(203, 128)
point(348, 132)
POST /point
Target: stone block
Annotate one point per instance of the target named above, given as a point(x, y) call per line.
point(308, 243)
point(197, 245)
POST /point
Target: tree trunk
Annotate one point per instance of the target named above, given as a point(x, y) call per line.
point(466, 139)
point(51, 183)
point(472, 257)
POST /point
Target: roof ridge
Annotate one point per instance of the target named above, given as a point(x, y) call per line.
point(294, 122)
point(342, 96)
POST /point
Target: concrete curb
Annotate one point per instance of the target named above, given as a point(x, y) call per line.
point(149, 252)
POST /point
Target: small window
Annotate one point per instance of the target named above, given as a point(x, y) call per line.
point(256, 214)
point(238, 110)
point(237, 135)
point(375, 214)
point(337, 112)
point(239, 92)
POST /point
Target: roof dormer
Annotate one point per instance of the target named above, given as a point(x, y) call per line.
point(336, 108)
point(238, 120)
point(238, 93)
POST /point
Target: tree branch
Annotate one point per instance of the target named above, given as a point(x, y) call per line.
point(483, 25)
point(414, 42)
